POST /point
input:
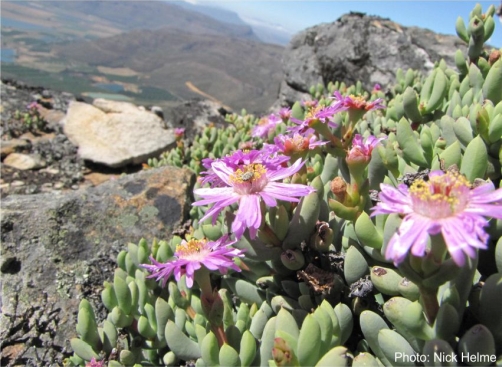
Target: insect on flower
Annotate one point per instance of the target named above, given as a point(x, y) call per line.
point(246, 176)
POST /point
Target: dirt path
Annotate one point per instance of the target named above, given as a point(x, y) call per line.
point(194, 89)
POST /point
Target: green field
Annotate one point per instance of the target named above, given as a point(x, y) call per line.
point(80, 84)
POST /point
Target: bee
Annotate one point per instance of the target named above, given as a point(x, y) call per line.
point(246, 176)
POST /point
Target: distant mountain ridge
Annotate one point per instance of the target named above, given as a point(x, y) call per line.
point(161, 46)
point(240, 73)
point(129, 15)
point(267, 33)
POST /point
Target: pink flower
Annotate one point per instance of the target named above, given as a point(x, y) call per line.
point(357, 102)
point(269, 157)
point(33, 106)
point(444, 205)
point(265, 125)
point(297, 143)
point(247, 183)
point(94, 363)
point(191, 255)
point(315, 113)
point(361, 151)
point(376, 88)
point(285, 113)
point(178, 132)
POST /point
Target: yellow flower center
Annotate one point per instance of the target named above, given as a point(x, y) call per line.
point(312, 112)
point(248, 173)
point(441, 196)
point(358, 102)
point(191, 247)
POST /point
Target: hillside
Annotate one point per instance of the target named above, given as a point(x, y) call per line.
point(240, 73)
point(91, 17)
point(149, 52)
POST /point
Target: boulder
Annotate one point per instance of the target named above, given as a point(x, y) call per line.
point(194, 115)
point(358, 47)
point(116, 133)
point(57, 249)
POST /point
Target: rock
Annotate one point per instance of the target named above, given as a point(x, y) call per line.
point(194, 115)
point(158, 111)
point(358, 47)
point(12, 145)
point(24, 162)
point(108, 106)
point(117, 133)
point(59, 248)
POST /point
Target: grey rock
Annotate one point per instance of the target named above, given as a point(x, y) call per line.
point(358, 47)
point(58, 248)
point(194, 115)
point(158, 111)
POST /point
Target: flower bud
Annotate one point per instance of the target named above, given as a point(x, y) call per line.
point(339, 188)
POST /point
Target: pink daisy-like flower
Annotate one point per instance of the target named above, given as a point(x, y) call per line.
point(315, 113)
point(445, 204)
point(269, 157)
point(265, 125)
point(361, 150)
point(248, 184)
point(297, 143)
point(191, 255)
point(357, 102)
point(285, 113)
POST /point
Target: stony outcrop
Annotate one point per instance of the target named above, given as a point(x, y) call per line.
point(116, 133)
point(194, 115)
point(359, 47)
point(58, 248)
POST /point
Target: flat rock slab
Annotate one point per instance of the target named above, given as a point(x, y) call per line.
point(57, 249)
point(116, 133)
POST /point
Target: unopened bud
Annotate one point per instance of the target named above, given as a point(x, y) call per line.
point(339, 188)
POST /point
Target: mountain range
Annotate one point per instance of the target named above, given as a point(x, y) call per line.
point(144, 51)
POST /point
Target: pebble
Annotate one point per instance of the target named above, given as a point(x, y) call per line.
point(17, 183)
point(58, 185)
point(52, 171)
point(24, 162)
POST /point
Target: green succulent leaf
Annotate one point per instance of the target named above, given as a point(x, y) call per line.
point(338, 356)
point(412, 151)
point(247, 352)
point(395, 348)
point(83, 349)
point(180, 344)
point(209, 350)
point(475, 160)
point(310, 342)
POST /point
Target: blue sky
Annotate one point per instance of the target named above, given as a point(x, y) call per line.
point(439, 16)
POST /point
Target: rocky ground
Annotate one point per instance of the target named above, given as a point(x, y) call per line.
point(32, 140)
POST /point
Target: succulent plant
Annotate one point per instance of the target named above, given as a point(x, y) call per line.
point(392, 256)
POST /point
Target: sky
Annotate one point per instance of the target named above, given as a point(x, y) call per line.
point(438, 16)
